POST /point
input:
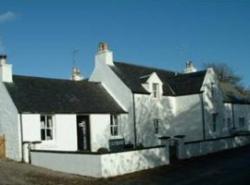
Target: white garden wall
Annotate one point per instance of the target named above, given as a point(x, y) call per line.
point(194, 149)
point(75, 163)
point(102, 165)
point(128, 162)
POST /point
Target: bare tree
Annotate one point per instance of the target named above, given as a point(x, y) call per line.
point(225, 73)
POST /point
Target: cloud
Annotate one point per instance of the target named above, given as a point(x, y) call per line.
point(7, 16)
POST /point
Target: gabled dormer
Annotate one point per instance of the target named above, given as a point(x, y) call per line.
point(153, 84)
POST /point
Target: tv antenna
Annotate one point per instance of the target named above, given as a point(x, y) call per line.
point(75, 53)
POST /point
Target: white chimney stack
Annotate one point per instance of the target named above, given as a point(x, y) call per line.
point(76, 74)
point(189, 67)
point(104, 54)
point(5, 70)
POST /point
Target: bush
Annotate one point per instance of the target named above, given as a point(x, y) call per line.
point(128, 146)
point(102, 150)
point(140, 146)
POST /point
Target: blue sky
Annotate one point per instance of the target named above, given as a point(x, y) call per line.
point(39, 36)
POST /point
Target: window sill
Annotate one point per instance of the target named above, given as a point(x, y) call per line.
point(48, 142)
point(116, 137)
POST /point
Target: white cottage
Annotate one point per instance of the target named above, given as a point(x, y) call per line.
point(54, 114)
point(162, 103)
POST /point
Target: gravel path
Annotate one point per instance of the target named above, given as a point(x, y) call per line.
point(229, 168)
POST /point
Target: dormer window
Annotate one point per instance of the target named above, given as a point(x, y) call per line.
point(156, 90)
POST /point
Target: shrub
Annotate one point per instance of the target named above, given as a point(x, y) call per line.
point(102, 150)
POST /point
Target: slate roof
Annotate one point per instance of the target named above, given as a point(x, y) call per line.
point(45, 95)
point(190, 83)
point(174, 84)
point(232, 95)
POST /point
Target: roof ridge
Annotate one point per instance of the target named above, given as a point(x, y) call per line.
point(189, 74)
point(48, 78)
point(148, 67)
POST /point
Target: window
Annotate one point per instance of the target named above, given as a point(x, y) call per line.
point(156, 126)
point(214, 115)
point(114, 125)
point(241, 122)
point(156, 90)
point(46, 127)
point(229, 124)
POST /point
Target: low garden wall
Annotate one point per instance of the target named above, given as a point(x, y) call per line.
point(101, 165)
point(198, 148)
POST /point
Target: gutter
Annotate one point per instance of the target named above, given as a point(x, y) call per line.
point(203, 117)
point(134, 120)
point(21, 131)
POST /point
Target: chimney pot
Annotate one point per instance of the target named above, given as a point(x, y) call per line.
point(189, 67)
point(103, 46)
point(76, 74)
point(3, 59)
point(104, 55)
point(5, 69)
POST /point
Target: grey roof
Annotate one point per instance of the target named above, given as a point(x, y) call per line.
point(45, 95)
point(174, 84)
point(232, 95)
point(189, 83)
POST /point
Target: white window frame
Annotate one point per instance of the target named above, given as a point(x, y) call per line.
point(47, 127)
point(114, 126)
point(156, 90)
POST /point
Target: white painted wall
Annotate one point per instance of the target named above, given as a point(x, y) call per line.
point(100, 131)
point(65, 132)
point(188, 118)
point(102, 165)
point(65, 136)
point(128, 162)
point(31, 127)
point(120, 92)
point(148, 109)
point(9, 124)
point(242, 110)
point(213, 104)
point(206, 147)
point(80, 164)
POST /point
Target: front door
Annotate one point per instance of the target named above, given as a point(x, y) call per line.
point(83, 133)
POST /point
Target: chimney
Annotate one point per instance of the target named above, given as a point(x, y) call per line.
point(104, 54)
point(76, 74)
point(189, 67)
point(5, 70)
